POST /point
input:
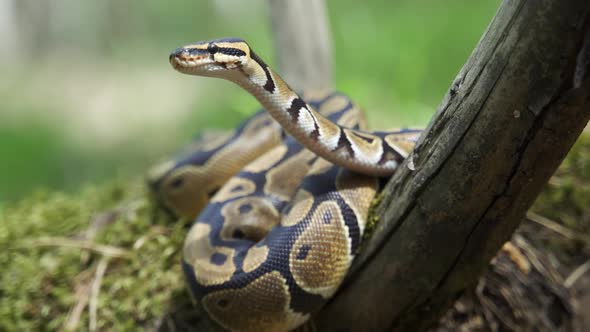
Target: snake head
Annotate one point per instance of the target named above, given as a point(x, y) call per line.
point(214, 58)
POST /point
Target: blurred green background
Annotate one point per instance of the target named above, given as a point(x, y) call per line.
point(86, 92)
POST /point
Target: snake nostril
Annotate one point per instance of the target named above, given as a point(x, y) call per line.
point(223, 303)
point(177, 183)
point(175, 53)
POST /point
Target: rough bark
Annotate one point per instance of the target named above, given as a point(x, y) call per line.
point(301, 35)
point(506, 123)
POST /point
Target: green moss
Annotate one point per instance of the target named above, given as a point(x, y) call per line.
point(42, 282)
point(372, 219)
point(566, 198)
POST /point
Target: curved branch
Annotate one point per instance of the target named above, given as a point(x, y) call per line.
point(508, 120)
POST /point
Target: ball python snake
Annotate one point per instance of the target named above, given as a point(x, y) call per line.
point(280, 217)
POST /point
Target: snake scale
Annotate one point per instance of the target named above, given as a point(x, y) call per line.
point(280, 205)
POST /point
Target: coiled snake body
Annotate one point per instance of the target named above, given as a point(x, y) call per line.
point(285, 214)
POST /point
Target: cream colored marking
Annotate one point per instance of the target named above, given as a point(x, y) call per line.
point(235, 187)
point(391, 164)
point(234, 156)
point(401, 144)
point(261, 123)
point(358, 191)
point(349, 119)
point(256, 139)
point(262, 305)
point(407, 136)
point(316, 95)
point(232, 44)
point(254, 224)
point(320, 166)
point(208, 140)
point(402, 148)
point(283, 90)
point(333, 105)
point(328, 252)
point(329, 133)
point(254, 258)
point(267, 160)
point(225, 58)
point(255, 73)
point(197, 181)
point(198, 251)
point(352, 118)
point(198, 46)
point(371, 152)
point(283, 180)
point(306, 120)
point(343, 153)
point(188, 199)
point(156, 172)
point(302, 203)
point(212, 141)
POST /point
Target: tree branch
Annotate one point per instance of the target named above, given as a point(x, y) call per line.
point(508, 120)
point(302, 40)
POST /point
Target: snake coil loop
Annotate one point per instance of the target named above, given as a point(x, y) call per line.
point(279, 217)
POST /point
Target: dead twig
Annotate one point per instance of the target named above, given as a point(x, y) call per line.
point(576, 274)
point(95, 291)
point(557, 228)
point(104, 250)
point(73, 319)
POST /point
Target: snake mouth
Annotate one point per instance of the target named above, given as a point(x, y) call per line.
point(200, 67)
point(187, 60)
point(191, 61)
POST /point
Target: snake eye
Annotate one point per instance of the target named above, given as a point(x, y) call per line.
point(177, 183)
point(212, 48)
point(212, 192)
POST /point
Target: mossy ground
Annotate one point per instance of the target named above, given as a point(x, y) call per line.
point(104, 258)
point(49, 282)
point(566, 200)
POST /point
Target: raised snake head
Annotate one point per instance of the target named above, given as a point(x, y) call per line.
point(228, 58)
point(214, 58)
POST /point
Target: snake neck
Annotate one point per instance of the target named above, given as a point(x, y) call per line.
point(355, 150)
